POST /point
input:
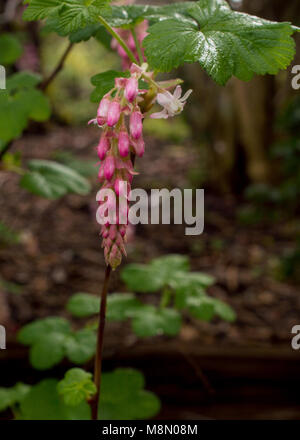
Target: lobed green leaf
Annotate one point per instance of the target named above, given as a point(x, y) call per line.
point(226, 43)
point(76, 387)
point(71, 15)
point(151, 321)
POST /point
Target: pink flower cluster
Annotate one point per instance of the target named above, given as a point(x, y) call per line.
point(141, 32)
point(120, 118)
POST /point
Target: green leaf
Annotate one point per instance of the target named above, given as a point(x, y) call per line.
point(191, 280)
point(85, 167)
point(43, 403)
point(130, 15)
point(171, 264)
point(52, 180)
point(123, 396)
point(121, 306)
point(226, 43)
point(21, 80)
point(104, 82)
point(13, 116)
point(40, 109)
point(52, 339)
point(42, 186)
point(32, 332)
point(71, 15)
point(152, 277)
point(81, 346)
point(76, 387)
point(201, 307)
point(10, 49)
point(142, 278)
point(224, 311)
point(12, 396)
point(86, 33)
point(47, 351)
point(82, 305)
point(19, 103)
point(150, 321)
point(103, 37)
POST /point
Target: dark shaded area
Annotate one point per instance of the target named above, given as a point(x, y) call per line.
point(241, 145)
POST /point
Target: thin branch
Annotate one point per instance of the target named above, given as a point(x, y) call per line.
point(57, 69)
point(94, 403)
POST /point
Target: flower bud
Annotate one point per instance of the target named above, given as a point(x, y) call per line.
point(139, 147)
point(103, 146)
point(114, 257)
point(113, 232)
point(114, 112)
point(131, 89)
point(109, 167)
point(122, 229)
point(136, 126)
point(120, 187)
point(102, 111)
point(101, 172)
point(123, 143)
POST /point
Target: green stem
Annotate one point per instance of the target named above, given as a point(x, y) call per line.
point(118, 38)
point(166, 297)
point(138, 46)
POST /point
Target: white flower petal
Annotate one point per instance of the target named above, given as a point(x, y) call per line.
point(186, 95)
point(178, 92)
point(164, 98)
point(160, 115)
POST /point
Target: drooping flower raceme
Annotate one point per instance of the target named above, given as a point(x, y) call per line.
point(120, 116)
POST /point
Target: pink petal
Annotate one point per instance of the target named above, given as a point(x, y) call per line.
point(160, 115)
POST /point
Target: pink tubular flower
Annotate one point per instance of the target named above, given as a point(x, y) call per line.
point(113, 114)
point(103, 146)
point(123, 143)
point(136, 126)
point(109, 167)
point(139, 147)
point(120, 187)
point(102, 111)
point(131, 89)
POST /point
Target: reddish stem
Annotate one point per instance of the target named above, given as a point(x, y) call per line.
point(94, 403)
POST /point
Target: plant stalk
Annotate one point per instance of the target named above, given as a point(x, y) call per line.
point(138, 46)
point(118, 38)
point(94, 403)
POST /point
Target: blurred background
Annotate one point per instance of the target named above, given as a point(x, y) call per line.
point(241, 144)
